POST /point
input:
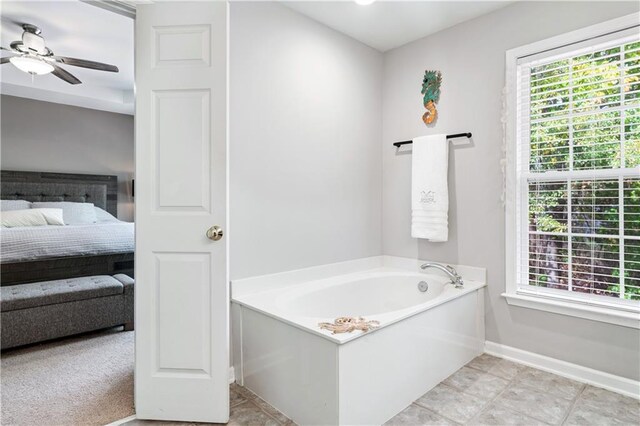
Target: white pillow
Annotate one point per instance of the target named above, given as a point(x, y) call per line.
point(31, 217)
point(6, 205)
point(73, 213)
point(104, 216)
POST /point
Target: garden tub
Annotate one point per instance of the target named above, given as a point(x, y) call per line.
point(316, 377)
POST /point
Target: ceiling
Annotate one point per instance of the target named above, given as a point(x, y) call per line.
point(77, 30)
point(80, 30)
point(386, 24)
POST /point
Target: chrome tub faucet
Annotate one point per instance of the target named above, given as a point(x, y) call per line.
point(456, 279)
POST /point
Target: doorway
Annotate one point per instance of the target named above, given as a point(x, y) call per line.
point(68, 170)
point(180, 207)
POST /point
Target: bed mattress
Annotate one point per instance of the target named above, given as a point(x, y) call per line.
point(46, 242)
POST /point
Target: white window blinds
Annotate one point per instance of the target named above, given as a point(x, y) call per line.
point(578, 174)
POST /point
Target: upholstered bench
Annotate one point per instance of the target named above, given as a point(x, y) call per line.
point(46, 310)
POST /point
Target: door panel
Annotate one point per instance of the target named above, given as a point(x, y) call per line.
point(182, 174)
point(182, 45)
point(183, 279)
point(182, 297)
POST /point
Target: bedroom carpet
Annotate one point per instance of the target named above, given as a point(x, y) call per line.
point(85, 380)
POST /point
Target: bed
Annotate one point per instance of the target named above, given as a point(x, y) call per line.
point(33, 254)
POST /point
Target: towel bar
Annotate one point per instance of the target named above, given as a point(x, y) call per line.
point(456, 135)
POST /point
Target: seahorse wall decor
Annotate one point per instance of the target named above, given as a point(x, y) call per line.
point(431, 93)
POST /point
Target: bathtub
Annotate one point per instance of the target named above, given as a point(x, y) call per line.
point(316, 377)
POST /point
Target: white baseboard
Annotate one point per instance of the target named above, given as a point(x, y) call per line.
point(576, 372)
point(232, 374)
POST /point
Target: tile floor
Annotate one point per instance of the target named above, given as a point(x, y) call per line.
point(494, 391)
point(487, 391)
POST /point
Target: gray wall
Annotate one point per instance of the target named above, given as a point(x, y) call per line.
point(471, 58)
point(48, 137)
point(305, 138)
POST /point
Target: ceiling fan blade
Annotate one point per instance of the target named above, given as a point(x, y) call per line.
point(4, 60)
point(86, 64)
point(64, 75)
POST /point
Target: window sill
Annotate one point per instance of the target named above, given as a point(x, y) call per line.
point(573, 309)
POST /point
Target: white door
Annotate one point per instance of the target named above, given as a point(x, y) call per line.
point(182, 298)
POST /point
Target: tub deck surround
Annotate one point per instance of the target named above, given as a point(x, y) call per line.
point(302, 304)
point(316, 377)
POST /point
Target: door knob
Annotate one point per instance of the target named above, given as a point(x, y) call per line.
point(215, 233)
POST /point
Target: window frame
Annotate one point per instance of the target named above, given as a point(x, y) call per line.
point(552, 301)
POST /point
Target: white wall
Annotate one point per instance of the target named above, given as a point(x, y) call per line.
point(305, 137)
point(471, 58)
point(47, 137)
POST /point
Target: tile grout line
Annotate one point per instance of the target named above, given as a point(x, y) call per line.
point(434, 412)
point(484, 406)
point(274, 409)
point(243, 399)
point(574, 399)
point(509, 383)
point(591, 404)
point(577, 380)
point(512, 382)
point(573, 404)
point(501, 377)
point(517, 411)
point(255, 397)
point(265, 412)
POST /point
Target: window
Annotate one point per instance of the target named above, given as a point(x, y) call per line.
point(575, 159)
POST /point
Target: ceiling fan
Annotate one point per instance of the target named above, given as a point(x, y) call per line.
point(34, 57)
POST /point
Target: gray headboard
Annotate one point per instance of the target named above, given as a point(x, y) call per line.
point(101, 190)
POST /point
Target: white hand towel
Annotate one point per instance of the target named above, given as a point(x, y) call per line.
point(429, 188)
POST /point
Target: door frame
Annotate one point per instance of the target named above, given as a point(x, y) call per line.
point(128, 8)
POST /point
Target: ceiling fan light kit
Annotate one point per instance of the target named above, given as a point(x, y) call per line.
point(35, 58)
point(31, 65)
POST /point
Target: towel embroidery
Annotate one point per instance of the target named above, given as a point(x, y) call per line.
point(428, 197)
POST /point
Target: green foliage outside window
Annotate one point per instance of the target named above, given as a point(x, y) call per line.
point(585, 115)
